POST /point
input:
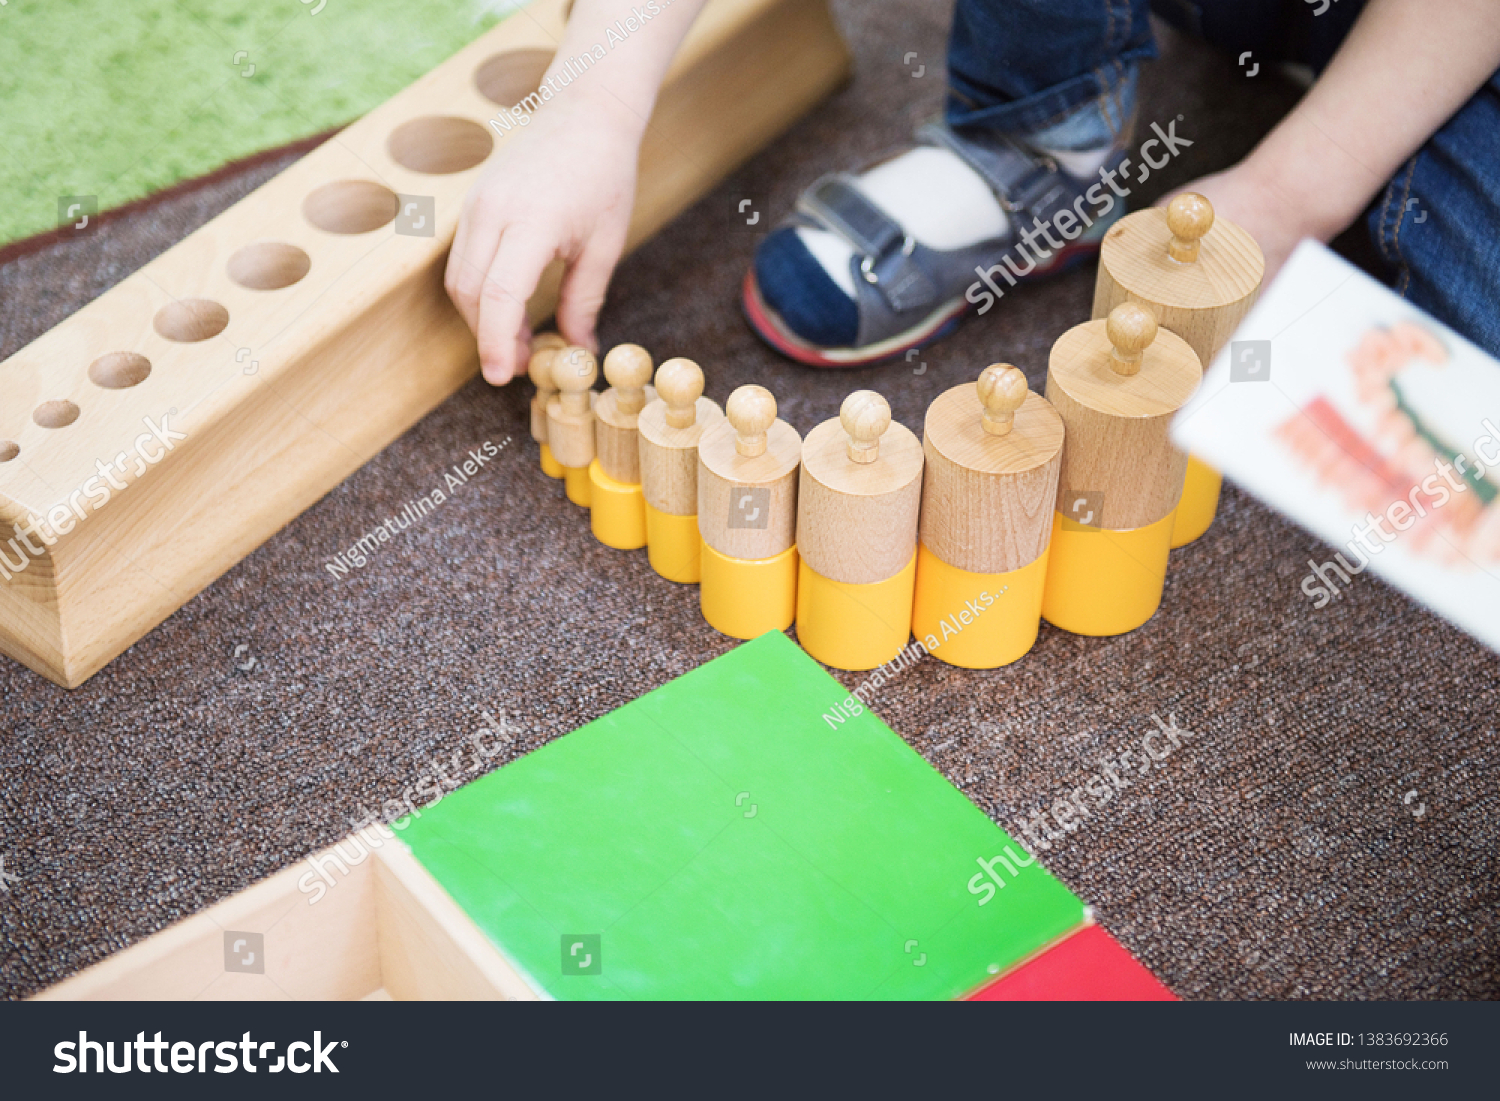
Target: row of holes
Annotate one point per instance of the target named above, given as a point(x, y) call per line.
point(437, 145)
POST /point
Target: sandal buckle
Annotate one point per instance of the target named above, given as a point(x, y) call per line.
point(867, 262)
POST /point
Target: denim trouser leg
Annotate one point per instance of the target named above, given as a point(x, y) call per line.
point(1438, 222)
point(1026, 66)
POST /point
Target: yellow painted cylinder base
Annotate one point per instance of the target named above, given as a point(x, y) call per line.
point(577, 484)
point(977, 620)
point(1199, 504)
point(550, 466)
point(674, 546)
point(745, 598)
point(854, 627)
point(617, 510)
point(1102, 582)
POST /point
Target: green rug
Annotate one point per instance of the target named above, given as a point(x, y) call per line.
point(119, 100)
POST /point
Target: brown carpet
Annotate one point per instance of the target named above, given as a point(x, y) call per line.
point(1273, 855)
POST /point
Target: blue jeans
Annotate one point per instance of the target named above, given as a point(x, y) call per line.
point(1064, 72)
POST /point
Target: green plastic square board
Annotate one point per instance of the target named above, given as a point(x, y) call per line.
point(720, 838)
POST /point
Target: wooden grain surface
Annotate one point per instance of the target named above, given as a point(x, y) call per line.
point(987, 500)
point(1202, 301)
point(723, 473)
point(857, 522)
point(669, 456)
point(1117, 425)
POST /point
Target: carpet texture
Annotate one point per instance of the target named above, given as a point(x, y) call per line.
point(1276, 853)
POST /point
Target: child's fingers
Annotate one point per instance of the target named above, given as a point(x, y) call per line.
point(581, 295)
point(511, 281)
point(475, 243)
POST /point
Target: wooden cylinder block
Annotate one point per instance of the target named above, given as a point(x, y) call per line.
point(668, 450)
point(570, 415)
point(539, 370)
point(748, 462)
point(860, 495)
point(627, 368)
point(988, 497)
point(1198, 276)
point(1116, 384)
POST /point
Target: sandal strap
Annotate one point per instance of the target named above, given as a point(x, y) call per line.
point(886, 251)
point(836, 204)
point(1020, 179)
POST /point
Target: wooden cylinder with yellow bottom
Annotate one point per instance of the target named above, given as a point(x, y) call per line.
point(570, 419)
point(1199, 277)
point(989, 489)
point(1199, 504)
point(617, 507)
point(1105, 582)
point(747, 515)
point(857, 510)
point(617, 511)
point(539, 368)
point(1116, 384)
point(746, 597)
point(670, 428)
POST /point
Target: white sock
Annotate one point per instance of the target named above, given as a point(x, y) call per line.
point(937, 197)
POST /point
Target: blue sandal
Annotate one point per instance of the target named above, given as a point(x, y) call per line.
point(908, 295)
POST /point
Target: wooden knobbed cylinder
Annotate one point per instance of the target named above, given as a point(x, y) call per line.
point(539, 369)
point(627, 368)
point(670, 428)
point(1116, 384)
point(993, 456)
point(570, 414)
point(860, 494)
point(747, 478)
point(1199, 276)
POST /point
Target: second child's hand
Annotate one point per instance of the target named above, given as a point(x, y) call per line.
point(1315, 173)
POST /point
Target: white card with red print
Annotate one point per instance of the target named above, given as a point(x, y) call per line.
point(1377, 428)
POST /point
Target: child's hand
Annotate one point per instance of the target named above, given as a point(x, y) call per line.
point(1404, 69)
point(1258, 209)
point(560, 190)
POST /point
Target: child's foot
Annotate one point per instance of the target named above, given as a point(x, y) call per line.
point(873, 265)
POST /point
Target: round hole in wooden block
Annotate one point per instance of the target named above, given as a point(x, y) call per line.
point(191, 319)
point(55, 414)
point(119, 370)
point(350, 206)
point(506, 79)
point(268, 265)
point(8, 450)
point(440, 144)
